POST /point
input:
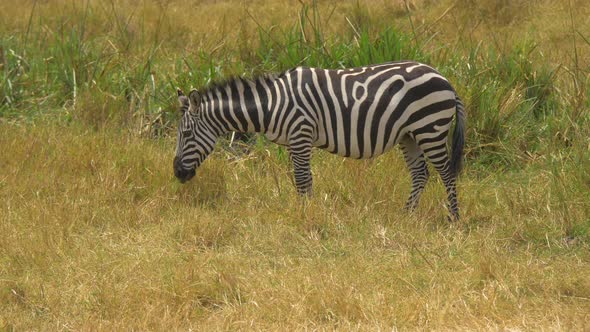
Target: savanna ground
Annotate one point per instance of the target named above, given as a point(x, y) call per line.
point(96, 234)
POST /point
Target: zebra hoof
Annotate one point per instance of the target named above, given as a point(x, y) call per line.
point(453, 219)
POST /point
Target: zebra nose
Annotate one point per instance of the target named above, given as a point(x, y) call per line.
point(176, 163)
point(177, 167)
point(181, 173)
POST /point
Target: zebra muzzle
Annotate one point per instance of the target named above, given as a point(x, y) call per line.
point(181, 173)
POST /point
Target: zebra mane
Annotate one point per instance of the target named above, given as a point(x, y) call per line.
point(221, 84)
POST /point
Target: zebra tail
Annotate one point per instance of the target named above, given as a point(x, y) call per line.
point(456, 162)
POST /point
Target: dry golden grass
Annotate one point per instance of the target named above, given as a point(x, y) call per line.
point(96, 234)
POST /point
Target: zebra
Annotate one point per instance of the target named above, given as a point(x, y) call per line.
point(355, 112)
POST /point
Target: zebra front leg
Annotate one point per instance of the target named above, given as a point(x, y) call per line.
point(418, 170)
point(300, 157)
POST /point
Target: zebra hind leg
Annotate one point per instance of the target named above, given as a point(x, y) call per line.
point(418, 170)
point(439, 157)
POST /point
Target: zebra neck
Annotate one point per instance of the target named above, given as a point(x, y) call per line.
point(239, 105)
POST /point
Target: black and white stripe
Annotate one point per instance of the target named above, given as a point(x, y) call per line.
point(356, 112)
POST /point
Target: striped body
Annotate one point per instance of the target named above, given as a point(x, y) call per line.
point(357, 112)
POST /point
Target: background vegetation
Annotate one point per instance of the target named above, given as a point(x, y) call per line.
point(96, 234)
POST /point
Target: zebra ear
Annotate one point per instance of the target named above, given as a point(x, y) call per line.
point(183, 101)
point(195, 98)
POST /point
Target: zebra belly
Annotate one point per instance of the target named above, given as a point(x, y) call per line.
point(278, 139)
point(354, 154)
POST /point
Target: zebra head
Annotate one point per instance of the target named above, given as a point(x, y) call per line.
point(195, 140)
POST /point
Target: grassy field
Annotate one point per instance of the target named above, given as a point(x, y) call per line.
point(96, 234)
